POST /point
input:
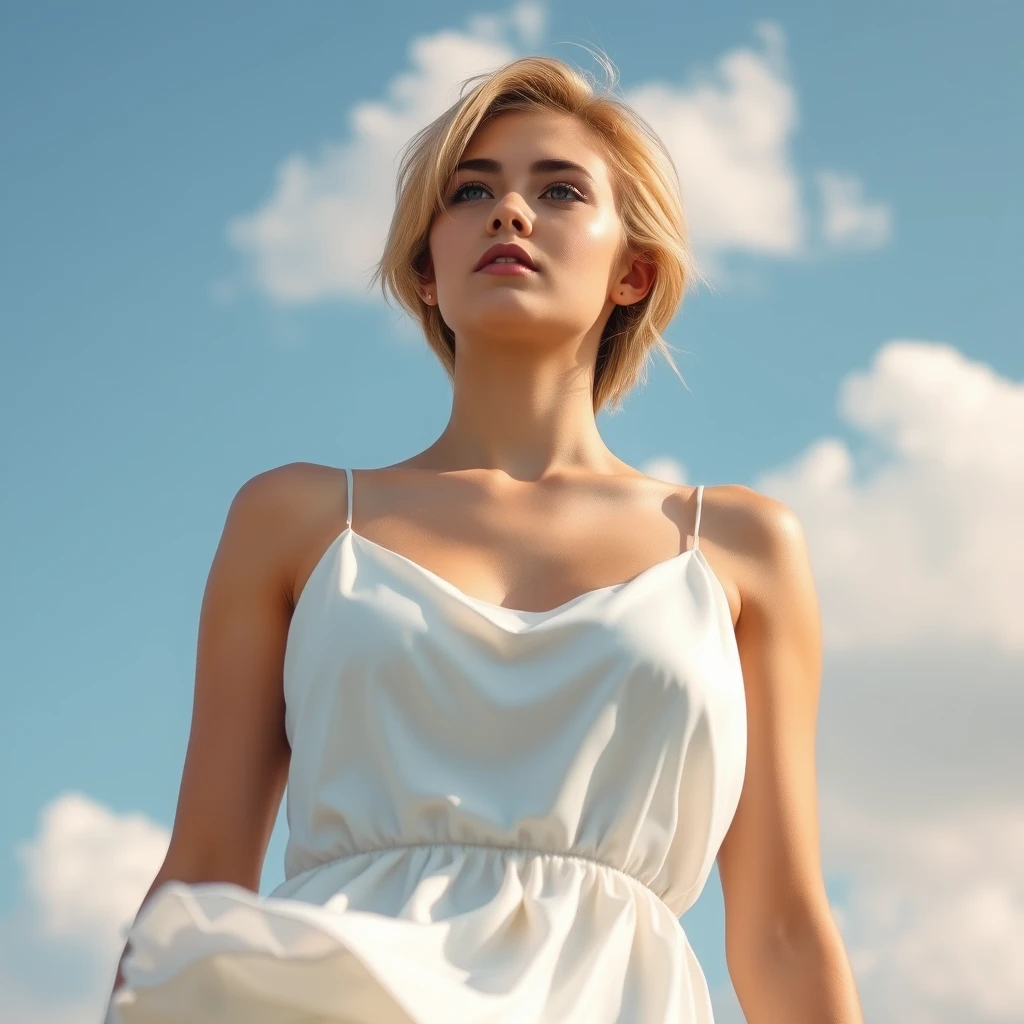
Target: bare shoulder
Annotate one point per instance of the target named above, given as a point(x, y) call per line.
point(283, 490)
point(756, 541)
point(280, 512)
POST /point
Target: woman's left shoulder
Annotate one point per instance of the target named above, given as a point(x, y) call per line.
point(761, 545)
point(750, 523)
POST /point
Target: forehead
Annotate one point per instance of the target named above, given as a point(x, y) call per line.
point(519, 137)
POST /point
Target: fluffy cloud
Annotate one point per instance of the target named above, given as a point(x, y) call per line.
point(729, 131)
point(920, 543)
point(85, 873)
point(323, 227)
point(729, 135)
point(915, 538)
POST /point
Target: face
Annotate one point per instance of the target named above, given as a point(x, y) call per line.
point(564, 217)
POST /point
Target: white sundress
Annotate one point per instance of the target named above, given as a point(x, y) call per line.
point(495, 815)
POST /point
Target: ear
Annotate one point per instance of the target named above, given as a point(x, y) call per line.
point(426, 284)
point(635, 283)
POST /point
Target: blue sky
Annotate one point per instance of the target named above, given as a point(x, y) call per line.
point(853, 178)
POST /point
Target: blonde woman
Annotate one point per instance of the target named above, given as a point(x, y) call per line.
point(522, 695)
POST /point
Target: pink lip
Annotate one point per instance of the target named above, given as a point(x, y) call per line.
point(506, 249)
point(505, 269)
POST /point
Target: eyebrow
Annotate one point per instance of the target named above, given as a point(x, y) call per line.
point(537, 167)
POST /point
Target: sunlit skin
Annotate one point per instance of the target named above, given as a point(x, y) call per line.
point(520, 501)
point(566, 219)
point(526, 344)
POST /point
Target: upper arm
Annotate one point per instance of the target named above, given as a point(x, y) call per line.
point(237, 757)
point(769, 862)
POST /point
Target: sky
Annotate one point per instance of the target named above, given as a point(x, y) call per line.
point(193, 195)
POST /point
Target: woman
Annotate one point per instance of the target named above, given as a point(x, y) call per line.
point(522, 695)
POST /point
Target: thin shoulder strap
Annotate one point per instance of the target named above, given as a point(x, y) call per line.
point(696, 522)
point(348, 489)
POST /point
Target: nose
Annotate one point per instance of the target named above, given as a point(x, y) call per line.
point(510, 211)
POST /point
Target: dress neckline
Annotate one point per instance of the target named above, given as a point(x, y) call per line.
point(527, 613)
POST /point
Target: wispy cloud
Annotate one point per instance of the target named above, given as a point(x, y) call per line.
point(848, 219)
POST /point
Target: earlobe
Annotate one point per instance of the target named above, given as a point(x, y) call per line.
point(427, 291)
point(426, 285)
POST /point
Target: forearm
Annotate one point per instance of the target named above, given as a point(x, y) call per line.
point(810, 982)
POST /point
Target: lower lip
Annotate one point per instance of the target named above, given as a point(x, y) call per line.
point(505, 268)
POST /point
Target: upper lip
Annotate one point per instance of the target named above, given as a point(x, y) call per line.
point(504, 249)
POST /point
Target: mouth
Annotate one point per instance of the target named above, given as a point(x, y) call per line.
point(506, 259)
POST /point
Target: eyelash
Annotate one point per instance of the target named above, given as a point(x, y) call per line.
point(454, 197)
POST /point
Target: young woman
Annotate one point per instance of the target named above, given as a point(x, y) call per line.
point(522, 695)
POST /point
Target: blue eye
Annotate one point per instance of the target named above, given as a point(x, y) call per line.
point(576, 194)
point(458, 194)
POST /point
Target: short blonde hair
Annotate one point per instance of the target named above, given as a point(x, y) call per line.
point(647, 188)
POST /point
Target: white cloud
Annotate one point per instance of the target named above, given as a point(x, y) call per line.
point(729, 131)
point(919, 758)
point(324, 226)
point(85, 873)
point(921, 543)
point(729, 136)
point(847, 218)
point(934, 925)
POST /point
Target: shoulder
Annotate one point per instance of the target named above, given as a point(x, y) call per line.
point(284, 490)
point(754, 524)
point(761, 543)
point(277, 514)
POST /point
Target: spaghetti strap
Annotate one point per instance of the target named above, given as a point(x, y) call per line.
point(696, 522)
point(348, 490)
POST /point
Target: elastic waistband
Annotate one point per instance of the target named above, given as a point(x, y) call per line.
point(492, 847)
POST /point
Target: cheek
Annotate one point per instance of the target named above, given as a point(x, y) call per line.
point(444, 247)
point(605, 234)
point(591, 246)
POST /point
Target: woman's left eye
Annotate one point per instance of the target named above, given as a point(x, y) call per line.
point(576, 194)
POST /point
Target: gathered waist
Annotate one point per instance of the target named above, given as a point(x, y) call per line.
point(528, 851)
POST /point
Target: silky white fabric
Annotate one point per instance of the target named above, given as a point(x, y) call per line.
point(494, 815)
